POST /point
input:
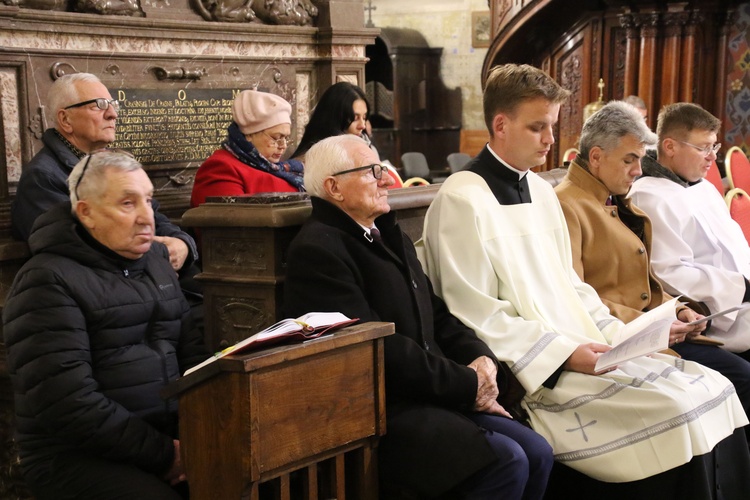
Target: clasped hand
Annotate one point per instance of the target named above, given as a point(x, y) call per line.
point(487, 390)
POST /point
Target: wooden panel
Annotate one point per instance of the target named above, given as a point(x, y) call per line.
point(215, 437)
point(570, 63)
point(340, 410)
point(472, 141)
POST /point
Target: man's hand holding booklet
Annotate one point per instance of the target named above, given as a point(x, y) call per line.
point(309, 326)
point(649, 333)
point(644, 335)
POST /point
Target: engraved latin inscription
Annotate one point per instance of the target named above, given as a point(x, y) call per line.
point(165, 126)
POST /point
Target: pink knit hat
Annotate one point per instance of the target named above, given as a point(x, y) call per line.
point(254, 111)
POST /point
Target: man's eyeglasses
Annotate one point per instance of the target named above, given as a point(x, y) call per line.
point(88, 160)
point(101, 103)
point(282, 142)
point(377, 170)
point(707, 150)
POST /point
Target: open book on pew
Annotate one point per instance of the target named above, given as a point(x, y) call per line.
point(309, 326)
point(646, 334)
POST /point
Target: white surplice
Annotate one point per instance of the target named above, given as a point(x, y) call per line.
point(698, 251)
point(506, 271)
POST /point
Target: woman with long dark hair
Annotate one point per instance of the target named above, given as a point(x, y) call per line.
point(342, 109)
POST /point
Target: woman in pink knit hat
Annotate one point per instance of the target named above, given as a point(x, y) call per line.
point(249, 160)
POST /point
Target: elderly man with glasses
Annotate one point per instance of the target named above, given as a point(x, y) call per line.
point(697, 249)
point(95, 325)
point(84, 116)
point(447, 433)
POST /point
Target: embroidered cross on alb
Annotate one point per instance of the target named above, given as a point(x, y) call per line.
point(581, 427)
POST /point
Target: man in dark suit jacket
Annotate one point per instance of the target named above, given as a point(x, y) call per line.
point(447, 434)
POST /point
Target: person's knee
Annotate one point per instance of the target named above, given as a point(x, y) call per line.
point(540, 455)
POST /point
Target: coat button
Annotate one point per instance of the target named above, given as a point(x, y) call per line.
point(641, 250)
point(426, 346)
point(644, 296)
point(414, 283)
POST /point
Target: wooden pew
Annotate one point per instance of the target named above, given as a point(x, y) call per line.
point(297, 421)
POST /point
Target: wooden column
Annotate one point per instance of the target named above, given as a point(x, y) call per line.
point(632, 43)
point(720, 92)
point(688, 58)
point(672, 57)
point(647, 63)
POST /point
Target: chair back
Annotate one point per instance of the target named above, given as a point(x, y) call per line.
point(397, 181)
point(416, 181)
point(415, 165)
point(738, 202)
point(570, 154)
point(738, 169)
point(458, 161)
point(714, 177)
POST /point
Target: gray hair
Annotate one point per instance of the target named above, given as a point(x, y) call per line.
point(86, 181)
point(64, 92)
point(636, 101)
point(614, 121)
point(326, 157)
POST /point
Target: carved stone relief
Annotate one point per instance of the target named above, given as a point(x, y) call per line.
point(110, 7)
point(303, 102)
point(11, 122)
point(279, 12)
point(292, 12)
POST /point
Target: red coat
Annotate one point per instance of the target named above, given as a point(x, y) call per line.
point(224, 175)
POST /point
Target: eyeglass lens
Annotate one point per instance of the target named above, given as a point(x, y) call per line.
point(100, 102)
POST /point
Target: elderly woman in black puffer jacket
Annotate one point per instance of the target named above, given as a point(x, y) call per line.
point(95, 325)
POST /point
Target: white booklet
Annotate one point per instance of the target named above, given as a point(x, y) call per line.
point(644, 335)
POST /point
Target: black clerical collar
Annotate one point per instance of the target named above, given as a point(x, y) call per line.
point(504, 181)
point(521, 173)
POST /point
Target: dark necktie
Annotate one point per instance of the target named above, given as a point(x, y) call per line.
point(375, 233)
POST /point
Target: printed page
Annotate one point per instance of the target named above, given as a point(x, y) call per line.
point(645, 335)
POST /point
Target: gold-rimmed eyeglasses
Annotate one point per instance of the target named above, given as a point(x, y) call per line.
point(101, 103)
point(88, 160)
point(376, 168)
point(706, 150)
point(281, 142)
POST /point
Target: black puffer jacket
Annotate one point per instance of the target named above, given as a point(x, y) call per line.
point(92, 337)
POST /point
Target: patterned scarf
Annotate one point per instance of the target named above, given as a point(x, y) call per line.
point(77, 152)
point(244, 150)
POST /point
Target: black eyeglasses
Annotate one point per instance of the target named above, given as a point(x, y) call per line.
point(88, 160)
point(377, 170)
point(101, 103)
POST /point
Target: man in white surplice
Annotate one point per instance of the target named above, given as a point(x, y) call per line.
point(496, 247)
point(697, 249)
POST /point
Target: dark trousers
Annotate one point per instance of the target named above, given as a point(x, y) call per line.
point(76, 476)
point(524, 462)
